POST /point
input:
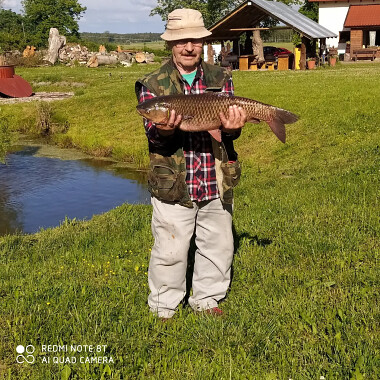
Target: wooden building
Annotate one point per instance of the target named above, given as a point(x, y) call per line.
point(357, 24)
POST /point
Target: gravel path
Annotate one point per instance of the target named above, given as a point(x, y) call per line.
point(44, 96)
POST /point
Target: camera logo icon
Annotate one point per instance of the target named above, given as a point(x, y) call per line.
point(28, 351)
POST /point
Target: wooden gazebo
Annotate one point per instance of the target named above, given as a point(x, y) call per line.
point(246, 18)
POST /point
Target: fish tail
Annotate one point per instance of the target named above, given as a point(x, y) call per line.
point(278, 128)
point(285, 116)
point(281, 118)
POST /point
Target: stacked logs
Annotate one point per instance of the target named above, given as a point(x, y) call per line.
point(72, 54)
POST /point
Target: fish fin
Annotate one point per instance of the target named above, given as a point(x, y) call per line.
point(278, 123)
point(278, 128)
point(285, 116)
point(216, 134)
point(253, 121)
point(187, 117)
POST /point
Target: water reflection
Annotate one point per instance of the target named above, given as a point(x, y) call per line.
point(41, 191)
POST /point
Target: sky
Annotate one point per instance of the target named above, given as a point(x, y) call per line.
point(115, 16)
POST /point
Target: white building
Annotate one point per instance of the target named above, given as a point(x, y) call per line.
point(354, 21)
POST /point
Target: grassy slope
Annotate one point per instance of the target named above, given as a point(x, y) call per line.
point(101, 117)
point(303, 301)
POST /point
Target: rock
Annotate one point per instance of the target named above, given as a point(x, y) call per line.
point(126, 63)
point(56, 42)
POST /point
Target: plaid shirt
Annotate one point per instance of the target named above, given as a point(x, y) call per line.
point(197, 149)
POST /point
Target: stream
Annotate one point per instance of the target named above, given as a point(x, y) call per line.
point(41, 185)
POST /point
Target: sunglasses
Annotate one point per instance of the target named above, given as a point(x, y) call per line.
point(183, 43)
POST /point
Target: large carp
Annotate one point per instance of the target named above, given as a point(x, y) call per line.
point(201, 112)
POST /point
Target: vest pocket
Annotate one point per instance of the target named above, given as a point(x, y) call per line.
point(162, 178)
point(231, 172)
point(165, 184)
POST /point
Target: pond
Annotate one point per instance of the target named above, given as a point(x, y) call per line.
point(41, 185)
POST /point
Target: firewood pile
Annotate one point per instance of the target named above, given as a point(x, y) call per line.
point(72, 54)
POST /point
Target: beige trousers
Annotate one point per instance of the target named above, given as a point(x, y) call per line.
point(173, 227)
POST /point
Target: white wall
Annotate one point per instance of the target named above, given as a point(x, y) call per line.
point(332, 16)
point(217, 49)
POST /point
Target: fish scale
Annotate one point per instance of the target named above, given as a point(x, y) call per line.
point(194, 105)
point(206, 107)
point(200, 112)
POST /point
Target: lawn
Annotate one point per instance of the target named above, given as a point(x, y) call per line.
point(303, 302)
point(146, 46)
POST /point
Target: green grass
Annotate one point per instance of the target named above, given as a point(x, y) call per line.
point(5, 139)
point(304, 296)
point(146, 46)
point(285, 45)
point(101, 116)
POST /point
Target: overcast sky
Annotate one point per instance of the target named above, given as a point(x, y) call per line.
point(117, 16)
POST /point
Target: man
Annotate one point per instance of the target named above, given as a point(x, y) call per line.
point(191, 177)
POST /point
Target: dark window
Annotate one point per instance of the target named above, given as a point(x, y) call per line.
point(344, 36)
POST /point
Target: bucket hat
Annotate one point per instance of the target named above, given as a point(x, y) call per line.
point(185, 23)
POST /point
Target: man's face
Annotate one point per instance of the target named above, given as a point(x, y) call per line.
point(187, 53)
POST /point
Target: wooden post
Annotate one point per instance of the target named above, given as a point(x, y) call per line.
point(322, 50)
point(248, 43)
point(257, 46)
point(210, 54)
point(303, 54)
point(235, 47)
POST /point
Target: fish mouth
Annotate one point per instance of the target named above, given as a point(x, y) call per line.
point(140, 110)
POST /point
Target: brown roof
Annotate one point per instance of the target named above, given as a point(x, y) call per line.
point(363, 15)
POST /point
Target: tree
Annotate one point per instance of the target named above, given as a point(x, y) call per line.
point(216, 9)
point(11, 30)
point(41, 15)
point(212, 10)
point(310, 9)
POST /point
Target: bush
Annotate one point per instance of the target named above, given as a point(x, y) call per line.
point(159, 52)
point(90, 45)
point(35, 61)
point(110, 46)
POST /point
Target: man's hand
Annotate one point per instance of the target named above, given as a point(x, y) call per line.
point(169, 128)
point(237, 117)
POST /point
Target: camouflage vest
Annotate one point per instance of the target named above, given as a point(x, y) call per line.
point(167, 177)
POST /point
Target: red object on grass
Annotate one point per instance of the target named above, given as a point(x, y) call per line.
point(12, 85)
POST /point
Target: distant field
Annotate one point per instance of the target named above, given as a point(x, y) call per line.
point(146, 46)
point(285, 45)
